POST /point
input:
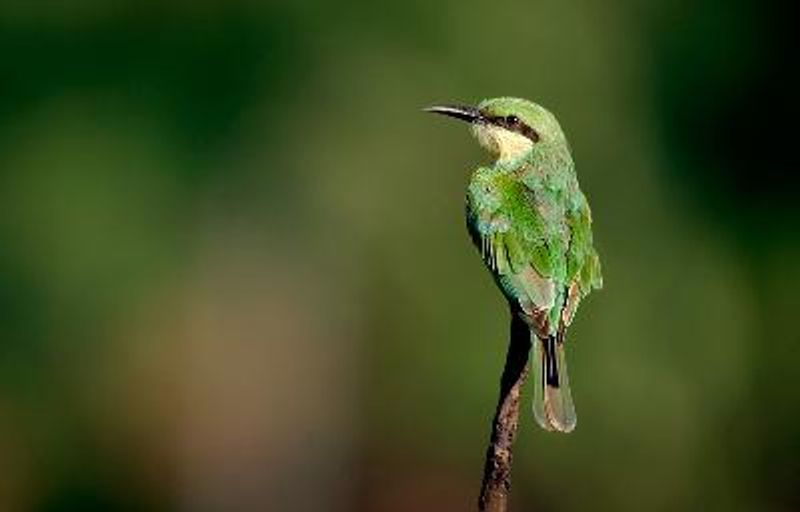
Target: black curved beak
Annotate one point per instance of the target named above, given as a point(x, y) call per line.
point(464, 113)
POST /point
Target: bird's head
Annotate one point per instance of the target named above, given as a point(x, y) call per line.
point(509, 128)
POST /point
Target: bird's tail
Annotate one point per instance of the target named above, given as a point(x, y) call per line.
point(552, 401)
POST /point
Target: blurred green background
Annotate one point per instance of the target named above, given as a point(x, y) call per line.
point(234, 273)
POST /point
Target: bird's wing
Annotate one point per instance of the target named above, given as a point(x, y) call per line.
point(515, 246)
point(583, 263)
point(519, 267)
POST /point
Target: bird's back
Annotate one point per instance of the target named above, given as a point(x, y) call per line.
point(523, 219)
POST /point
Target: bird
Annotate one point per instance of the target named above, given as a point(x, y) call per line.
point(532, 226)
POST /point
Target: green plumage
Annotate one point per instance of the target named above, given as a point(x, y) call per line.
point(532, 225)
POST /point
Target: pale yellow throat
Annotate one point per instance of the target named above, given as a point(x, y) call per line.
point(504, 144)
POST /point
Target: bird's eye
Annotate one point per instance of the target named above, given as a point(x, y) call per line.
point(512, 120)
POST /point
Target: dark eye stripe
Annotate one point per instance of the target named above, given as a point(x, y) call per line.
point(529, 132)
point(513, 123)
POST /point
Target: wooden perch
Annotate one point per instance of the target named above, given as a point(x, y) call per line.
point(497, 469)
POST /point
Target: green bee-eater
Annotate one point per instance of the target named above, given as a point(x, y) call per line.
point(532, 225)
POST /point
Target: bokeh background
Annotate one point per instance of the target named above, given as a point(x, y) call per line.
point(234, 274)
